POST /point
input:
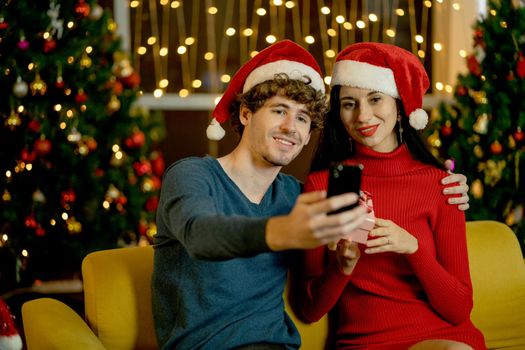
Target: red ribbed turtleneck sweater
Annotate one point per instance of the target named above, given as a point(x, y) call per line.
point(391, 301)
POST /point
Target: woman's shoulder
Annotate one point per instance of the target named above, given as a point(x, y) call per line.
point(431, 171)
point(427, 176)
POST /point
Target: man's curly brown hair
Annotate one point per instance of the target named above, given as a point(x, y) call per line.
point(299, 91)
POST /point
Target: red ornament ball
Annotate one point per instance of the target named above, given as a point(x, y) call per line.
point(34, 126)
point(99, 172)
point(518, 135)
point(81, 97)
point(136, 140)
point(143, 227)
point(82, 9)
point(50, 45)
point(496, 148)
point(42, 147)
point(142, 168)
point(68, 196)
point(132, 81)
point(461, 90)
point(59, 84)
point(473, 65)
point(156, 182)
point(478, 38)
point(121, 200)
point(27, 156)
point(520, 66)
point(446, 130)
point(30, 222)
point(157, 163)
point(152, 203)
point(40, 231)
point(91, 144)
point(3, 24)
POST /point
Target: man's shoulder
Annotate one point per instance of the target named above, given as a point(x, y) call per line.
point(191, 163)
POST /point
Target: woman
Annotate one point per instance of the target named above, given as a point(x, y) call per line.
point(409, 286)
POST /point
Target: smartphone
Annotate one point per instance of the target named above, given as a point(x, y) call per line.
point(344, 178)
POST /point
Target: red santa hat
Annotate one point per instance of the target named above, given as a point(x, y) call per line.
point(282, 57)
point(9, 337)
point(388, 69)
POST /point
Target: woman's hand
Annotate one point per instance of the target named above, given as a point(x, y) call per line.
point(461, 187)
point(347, 254)
point(389, 237)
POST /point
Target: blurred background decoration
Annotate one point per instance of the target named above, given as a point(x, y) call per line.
point(80, 167)
point(483, 127)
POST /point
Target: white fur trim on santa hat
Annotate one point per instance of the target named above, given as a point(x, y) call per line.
point(364, 75)
point(295, 70)
point(214, 131)
point(418, 119)
point(10, 342)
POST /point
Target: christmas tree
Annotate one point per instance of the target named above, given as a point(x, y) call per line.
point(483, 129)
point(79, 169)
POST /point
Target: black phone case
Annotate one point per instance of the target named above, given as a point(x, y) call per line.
point(343, 179)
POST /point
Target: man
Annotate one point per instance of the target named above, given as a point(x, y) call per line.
point(224, 225)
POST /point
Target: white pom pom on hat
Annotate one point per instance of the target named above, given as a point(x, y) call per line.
point(388, 69)
point(9, 337)
point(214, 131)
point(282, 57)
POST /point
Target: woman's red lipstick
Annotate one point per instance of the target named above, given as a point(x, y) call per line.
point(369, 130)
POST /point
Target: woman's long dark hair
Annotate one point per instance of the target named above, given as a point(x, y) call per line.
point(334, 141)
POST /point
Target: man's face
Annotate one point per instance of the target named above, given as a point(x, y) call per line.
point(277, 132)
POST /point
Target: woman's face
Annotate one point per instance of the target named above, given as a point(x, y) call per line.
point(369, 117)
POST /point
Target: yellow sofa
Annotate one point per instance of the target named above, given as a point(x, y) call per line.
point(118, 311)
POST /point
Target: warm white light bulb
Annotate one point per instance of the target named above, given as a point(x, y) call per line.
point(309, 39)
point(270, 39)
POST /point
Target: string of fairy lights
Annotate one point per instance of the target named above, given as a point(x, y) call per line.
point(185, 46)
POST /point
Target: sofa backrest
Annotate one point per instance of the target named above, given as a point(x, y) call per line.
point(117, 288)
point(497, 271)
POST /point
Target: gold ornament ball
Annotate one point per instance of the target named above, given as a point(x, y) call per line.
point(38, 86)
point(73, 226)
point(152, 230)
point(147, 185)
point(113, 104)
point(477, 189)
point(481, 125)
point(83, 149)
point(112, 192)
point(13, 120)
point(39, 197)
point(6, 196)
point(85, 61)
point(478, 151)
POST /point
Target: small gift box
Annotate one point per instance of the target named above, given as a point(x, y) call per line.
point(360, 235)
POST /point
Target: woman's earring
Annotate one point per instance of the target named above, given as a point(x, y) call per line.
point(400, 129)
point(351, 143)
